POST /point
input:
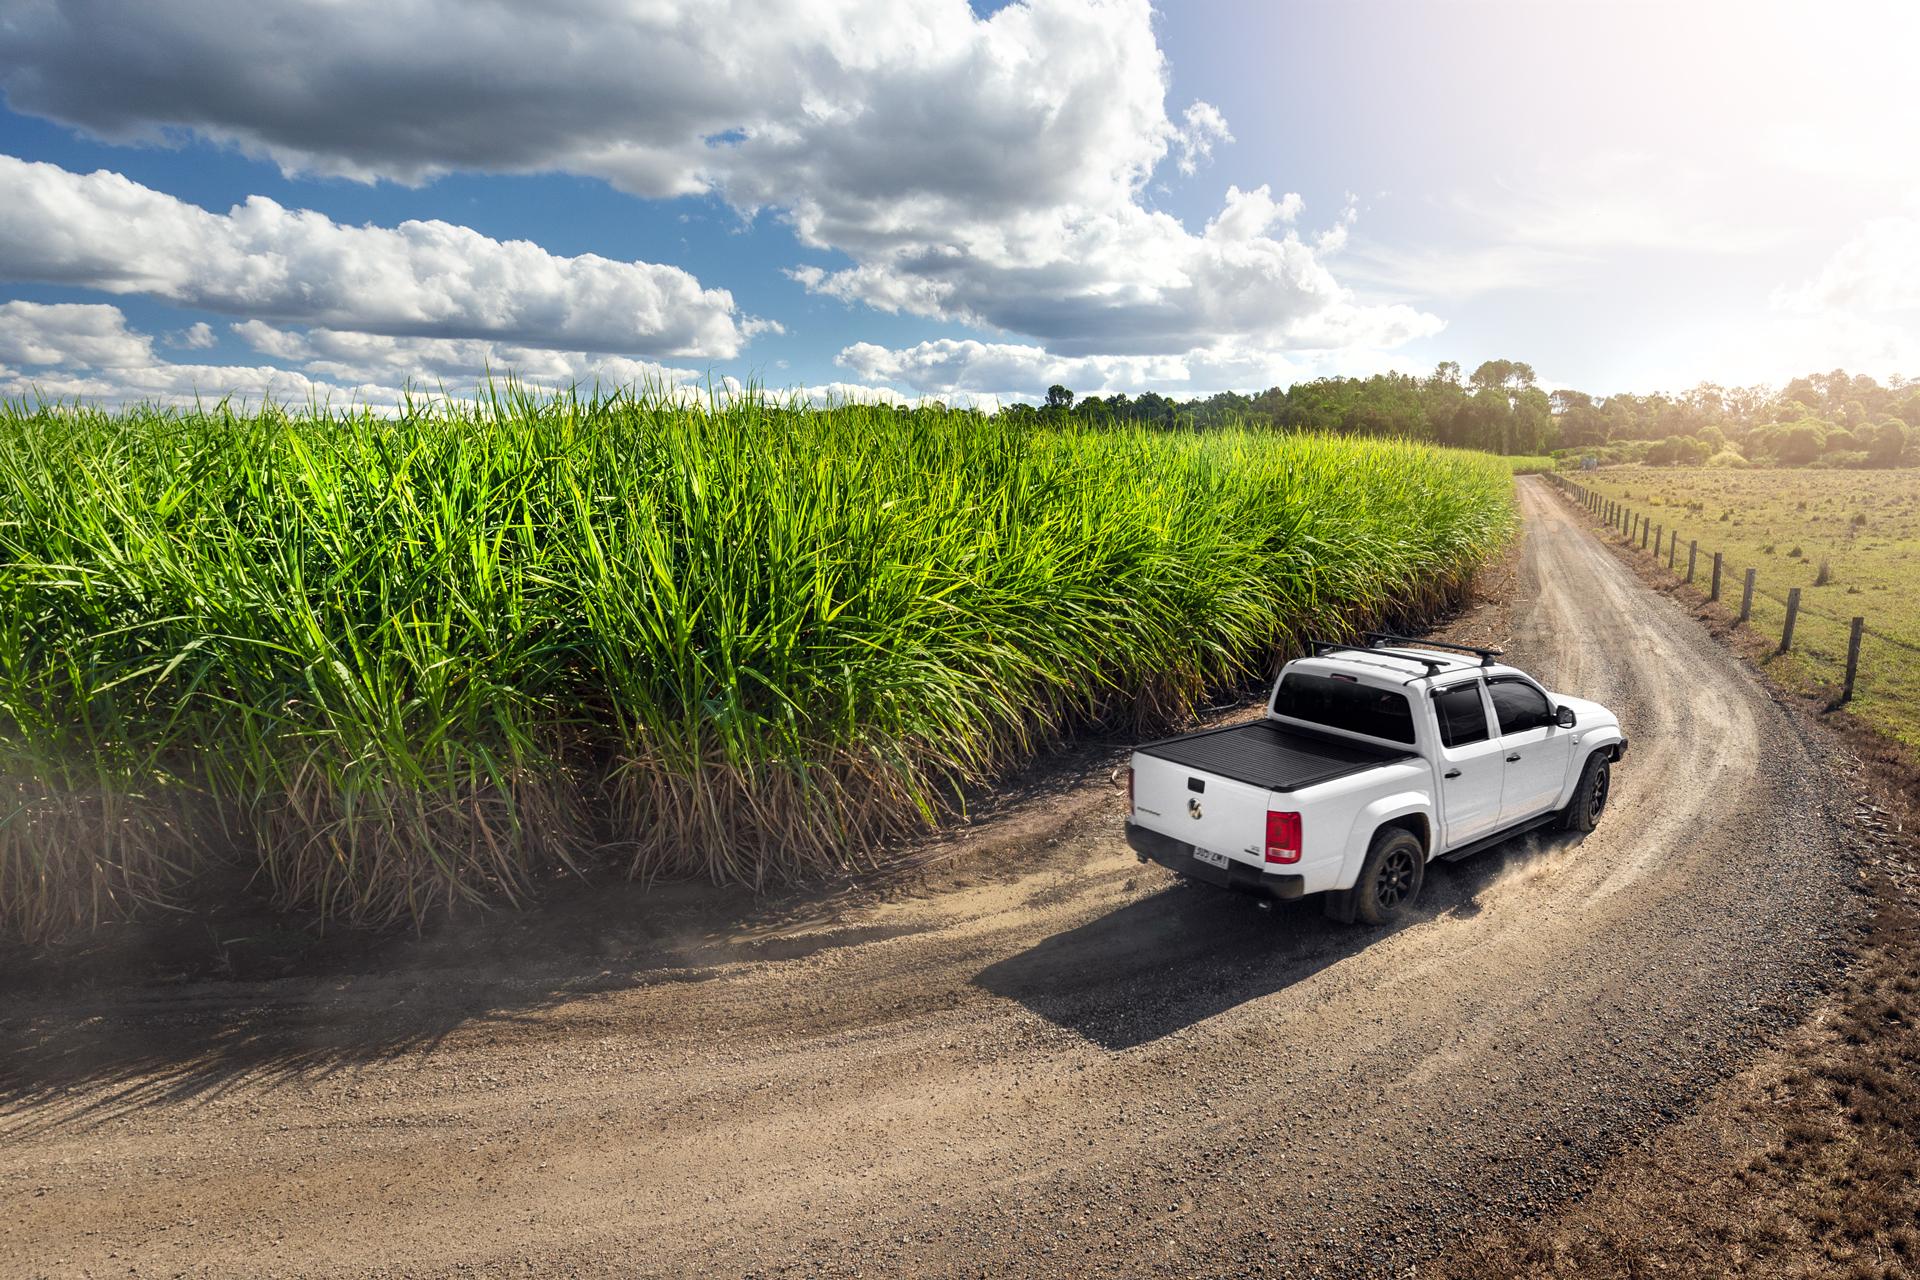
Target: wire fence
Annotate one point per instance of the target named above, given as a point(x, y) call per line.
point(1829, 644)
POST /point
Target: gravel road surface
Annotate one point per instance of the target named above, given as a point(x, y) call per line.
point(1054, 1061)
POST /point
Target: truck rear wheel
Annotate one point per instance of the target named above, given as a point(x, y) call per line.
point(1589, 794)
point(1390, 878)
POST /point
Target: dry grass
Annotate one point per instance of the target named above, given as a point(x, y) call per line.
point(1850, 540)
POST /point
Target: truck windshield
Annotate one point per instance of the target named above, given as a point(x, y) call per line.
point(1345, 704)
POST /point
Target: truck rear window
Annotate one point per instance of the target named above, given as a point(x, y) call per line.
point(1345, 704)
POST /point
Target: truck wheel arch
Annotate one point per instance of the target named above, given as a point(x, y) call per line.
point(1613, 749)
point(1416, 824)
point(1409, 810)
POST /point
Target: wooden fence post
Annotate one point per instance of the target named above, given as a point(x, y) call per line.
point(1853, 658)
point(1673, 545)
point(1746, 598)
point(1693, 556)
point(1659, 531)
point(1716, 577)
point(1644, 522)
point(1793, 611)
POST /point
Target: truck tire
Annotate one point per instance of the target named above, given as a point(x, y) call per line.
point(1589, 794)
point(1390, 878)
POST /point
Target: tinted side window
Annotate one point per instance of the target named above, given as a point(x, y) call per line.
point(1518, 705)
point(1345, 704)
point(1462, 718)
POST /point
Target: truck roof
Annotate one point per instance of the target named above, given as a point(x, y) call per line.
point(1403, 665)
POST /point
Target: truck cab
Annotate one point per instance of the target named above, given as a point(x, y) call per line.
point(1370, 761)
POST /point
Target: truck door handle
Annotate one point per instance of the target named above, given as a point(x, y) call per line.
point(1451, 773)
point(1513, 757)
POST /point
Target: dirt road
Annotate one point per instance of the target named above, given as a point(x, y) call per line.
point(1071, 1065)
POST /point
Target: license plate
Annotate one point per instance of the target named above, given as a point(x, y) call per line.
point(1211, 858)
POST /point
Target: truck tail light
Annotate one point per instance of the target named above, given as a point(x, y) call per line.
point(1283, 837)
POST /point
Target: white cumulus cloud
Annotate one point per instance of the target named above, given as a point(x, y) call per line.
point(1876, 270)
point(346, 356)
point(197, 336)
point(989, 171)
point(431, 278)
point(964, 370)
point(68, 333)
point(68, 350)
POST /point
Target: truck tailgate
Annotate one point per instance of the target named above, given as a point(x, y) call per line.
point(1199, 808)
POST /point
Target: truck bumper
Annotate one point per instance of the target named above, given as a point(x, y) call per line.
point(1178, 856)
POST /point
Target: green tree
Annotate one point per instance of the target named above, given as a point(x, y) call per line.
point(1801, 442)
point(1889, 443)
point(1058, 397)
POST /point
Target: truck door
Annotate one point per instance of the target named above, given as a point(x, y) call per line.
point(1471, 763)
point(1535, 750)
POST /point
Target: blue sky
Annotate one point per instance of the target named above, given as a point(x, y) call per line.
point(925, 198)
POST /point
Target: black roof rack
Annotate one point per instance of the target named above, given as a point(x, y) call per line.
point(1317, 647)
point(1378, 639)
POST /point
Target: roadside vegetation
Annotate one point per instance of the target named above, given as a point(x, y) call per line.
point(1849, 541)
point(380, 666)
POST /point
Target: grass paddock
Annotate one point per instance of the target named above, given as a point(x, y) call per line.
point(1850, 540)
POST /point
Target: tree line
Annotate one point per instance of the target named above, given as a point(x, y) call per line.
point(1826, 419)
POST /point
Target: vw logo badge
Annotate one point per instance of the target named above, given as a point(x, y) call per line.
point(1193, 808)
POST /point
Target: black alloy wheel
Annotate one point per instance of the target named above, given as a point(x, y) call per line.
point(1394, 884)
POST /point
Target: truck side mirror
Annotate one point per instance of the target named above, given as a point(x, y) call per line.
point(1563, 716)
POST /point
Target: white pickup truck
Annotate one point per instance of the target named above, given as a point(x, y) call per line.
point(1371, 761)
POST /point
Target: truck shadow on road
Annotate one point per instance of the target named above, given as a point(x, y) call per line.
point(1191, 951)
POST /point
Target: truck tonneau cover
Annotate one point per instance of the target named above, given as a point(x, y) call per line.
point(1277, 757)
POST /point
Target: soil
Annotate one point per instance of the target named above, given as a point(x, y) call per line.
point(1022, 1053)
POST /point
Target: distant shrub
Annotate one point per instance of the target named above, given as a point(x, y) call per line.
point(1889, 442)
point(1727, 458)
point(1802, 442)
point(1678, 451)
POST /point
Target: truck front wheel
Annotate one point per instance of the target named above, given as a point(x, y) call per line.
point(1390, 878)
point(1589, 794)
